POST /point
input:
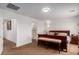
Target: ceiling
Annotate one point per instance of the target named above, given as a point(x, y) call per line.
point(57, 10)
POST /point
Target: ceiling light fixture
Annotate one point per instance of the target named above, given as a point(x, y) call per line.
point(45, 9)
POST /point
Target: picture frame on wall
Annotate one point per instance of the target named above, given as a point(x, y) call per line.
point(9, 25)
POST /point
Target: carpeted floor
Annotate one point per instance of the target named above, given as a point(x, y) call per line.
point(33, 49)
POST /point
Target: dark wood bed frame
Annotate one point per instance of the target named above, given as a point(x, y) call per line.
point(63, 44)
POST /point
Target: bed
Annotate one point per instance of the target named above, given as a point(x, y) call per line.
point(63, 35)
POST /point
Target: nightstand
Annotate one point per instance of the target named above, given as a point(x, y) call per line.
point(74, 39)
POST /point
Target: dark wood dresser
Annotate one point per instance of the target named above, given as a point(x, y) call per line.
point(74, 39)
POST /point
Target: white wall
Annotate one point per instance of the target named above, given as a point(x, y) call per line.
point(10, 34)
point(1, 32)
point(23, 35)
point(69, 23)
point(24, 30)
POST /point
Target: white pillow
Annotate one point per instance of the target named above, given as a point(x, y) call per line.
point(51, 33)
point(62, 34)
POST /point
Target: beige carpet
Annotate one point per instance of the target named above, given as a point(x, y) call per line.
point(33, 49)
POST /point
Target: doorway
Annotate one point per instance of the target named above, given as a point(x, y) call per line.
point(34, 32)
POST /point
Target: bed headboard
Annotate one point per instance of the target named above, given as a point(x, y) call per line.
point(60, 31)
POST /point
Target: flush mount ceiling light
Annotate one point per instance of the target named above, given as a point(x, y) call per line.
point(45, 9)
